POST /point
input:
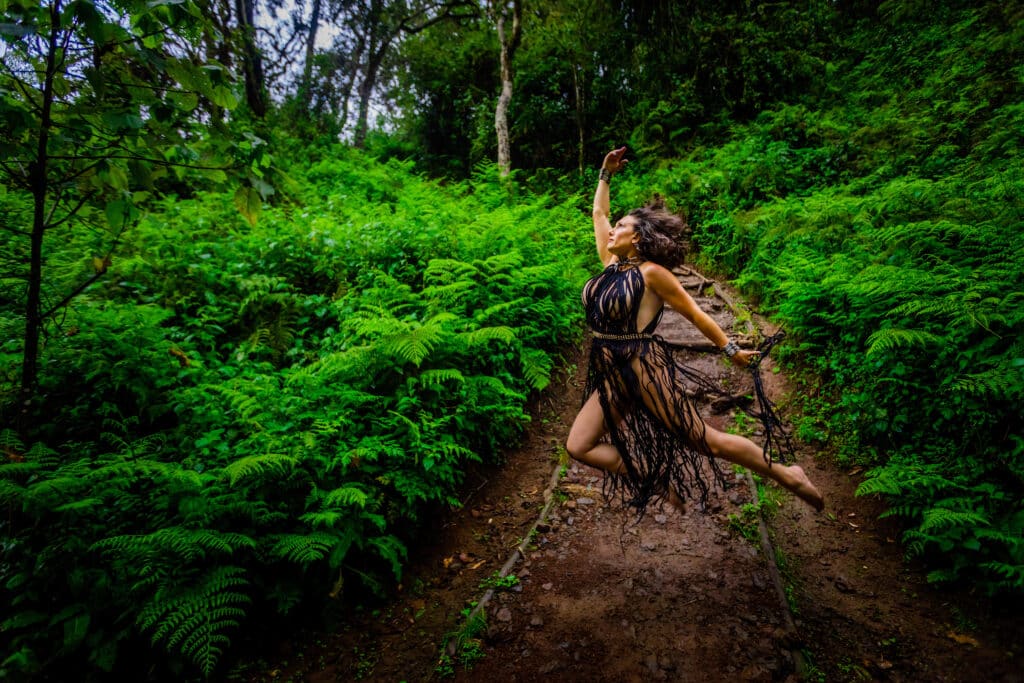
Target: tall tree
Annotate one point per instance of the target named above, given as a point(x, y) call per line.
point(306, 84)
point(252, 60)
point(508, 41)
point(95, 107)
point(376, 26)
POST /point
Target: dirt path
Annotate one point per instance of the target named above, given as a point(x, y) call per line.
point(602, 597)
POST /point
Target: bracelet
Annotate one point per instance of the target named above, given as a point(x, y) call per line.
point(730, 349)
point(605, 175)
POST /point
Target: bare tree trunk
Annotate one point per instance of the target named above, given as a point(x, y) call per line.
point(369, 82)
point(38, 182)
point(508, 49)
point(252, 64)
point(353, 70)
point(306, 86)
point(581, 132)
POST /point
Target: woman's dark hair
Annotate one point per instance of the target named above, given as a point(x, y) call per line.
point(663, 235)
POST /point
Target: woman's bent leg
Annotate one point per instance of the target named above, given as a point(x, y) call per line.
point(584, 445)
point(584, 439)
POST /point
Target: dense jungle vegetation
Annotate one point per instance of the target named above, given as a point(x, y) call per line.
point(266, 293)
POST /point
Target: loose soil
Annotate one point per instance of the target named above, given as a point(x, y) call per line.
point(598, 595)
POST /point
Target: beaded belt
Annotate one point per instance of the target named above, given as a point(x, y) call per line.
point(622, 337)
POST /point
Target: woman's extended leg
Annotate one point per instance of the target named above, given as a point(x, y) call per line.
point(743, 451)
point(682, 418)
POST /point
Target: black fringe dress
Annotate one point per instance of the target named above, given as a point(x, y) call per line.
point(644, 394)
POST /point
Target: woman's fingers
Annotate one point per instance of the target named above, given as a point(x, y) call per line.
point(614, 159)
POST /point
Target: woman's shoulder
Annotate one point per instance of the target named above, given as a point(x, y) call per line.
point(650, 268)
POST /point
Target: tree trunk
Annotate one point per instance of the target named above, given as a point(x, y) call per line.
point(508, 48)
point(252, 64)
point(37, 178)
point(581, 132)
point(373, 62)
point(306, 86)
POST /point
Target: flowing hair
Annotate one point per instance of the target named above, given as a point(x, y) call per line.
point(663, 235)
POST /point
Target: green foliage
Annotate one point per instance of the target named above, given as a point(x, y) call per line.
point(881, 230)
point(244, 418)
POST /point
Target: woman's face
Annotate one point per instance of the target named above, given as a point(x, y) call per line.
point(622, 238)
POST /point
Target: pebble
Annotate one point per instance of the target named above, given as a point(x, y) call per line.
point(504, 614)
point(548, 586)
point(584, 501)
point(660, 519)
point(536, 622)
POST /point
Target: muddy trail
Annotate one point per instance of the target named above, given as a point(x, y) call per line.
point(538, 577)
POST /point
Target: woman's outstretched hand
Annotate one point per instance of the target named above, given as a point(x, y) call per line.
point(614, 161)
point(743, 357)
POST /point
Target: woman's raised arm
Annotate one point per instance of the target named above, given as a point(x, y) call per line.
point(613, 161)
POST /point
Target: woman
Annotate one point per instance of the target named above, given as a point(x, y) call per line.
point(636, 391)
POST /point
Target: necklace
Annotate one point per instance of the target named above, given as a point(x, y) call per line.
point(628, 262)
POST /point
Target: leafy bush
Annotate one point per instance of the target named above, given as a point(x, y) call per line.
point(244, 418)
point(887, 243)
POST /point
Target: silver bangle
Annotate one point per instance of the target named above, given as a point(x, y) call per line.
point(605, 175)
point(731, 349)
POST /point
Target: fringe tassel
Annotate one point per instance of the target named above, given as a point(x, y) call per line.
point(777, 444)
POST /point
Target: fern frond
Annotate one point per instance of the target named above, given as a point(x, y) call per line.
point(997, 383)
point(497, 310)
point(349, 495)
point(82, 505)
point(418, 342)
point(485, 334)
point(10, 442)
point(943, 518)
point(262, 466)
point(1011, 575)
point(10, 492)
point(440, 271)
point(193, 618)
point(184, 544)
point(536, 367)
point(303, 549)
point(894, 338)
point(438, 376)
point(18, 470)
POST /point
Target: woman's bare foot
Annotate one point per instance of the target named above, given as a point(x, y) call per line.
point(801, 486)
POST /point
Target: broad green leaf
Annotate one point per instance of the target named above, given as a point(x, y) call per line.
point(249, 203)
point(75, 630)
point(223, 97)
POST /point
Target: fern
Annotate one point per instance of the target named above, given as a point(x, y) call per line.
point(303, 549)
point(892, 339)
point(536, 368)
point(185, 545)
point(944, 516)
point(260, 466)
point(193, 618)
point(483, 335)
point(438, 377)
point(349, 495)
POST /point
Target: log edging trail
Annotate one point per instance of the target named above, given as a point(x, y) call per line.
point(518, 553)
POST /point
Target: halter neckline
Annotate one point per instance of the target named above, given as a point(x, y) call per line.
point(625, 263)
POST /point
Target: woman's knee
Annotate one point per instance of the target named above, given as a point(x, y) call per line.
point(576, 447)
